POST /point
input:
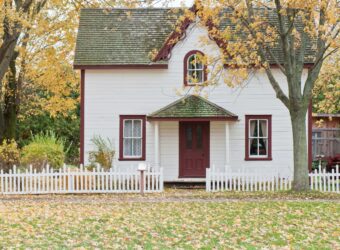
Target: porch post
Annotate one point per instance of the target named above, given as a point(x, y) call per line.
point(227, 146)
point(156, 125)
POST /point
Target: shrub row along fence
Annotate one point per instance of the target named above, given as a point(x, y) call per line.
point(80, 180)
point(224, 180)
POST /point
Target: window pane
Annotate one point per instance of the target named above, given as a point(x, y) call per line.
point(127, 128)
point(253, 128)
point(253, 146)
point(199, 75)
point(137, 128)
point(199, 64)
point(137, 147)
point(192, 76)
point(263, 145)
point(263, 128)
point(195, 76)
point(199, 136)
point(128, 147)
point(191, 62)
point(188, 135)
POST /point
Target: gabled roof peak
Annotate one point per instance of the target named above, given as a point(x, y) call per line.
point(192, 106)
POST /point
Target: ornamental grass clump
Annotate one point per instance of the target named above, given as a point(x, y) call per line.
point(44, 148)
point(103, 152)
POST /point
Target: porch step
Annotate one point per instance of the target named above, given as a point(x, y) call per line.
point(184, 185)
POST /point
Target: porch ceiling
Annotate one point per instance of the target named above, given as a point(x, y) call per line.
point(192, 107)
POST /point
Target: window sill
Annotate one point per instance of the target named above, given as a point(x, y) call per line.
point(258, 159)
point(131, 159)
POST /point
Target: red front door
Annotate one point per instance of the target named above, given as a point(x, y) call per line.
point(193, 149)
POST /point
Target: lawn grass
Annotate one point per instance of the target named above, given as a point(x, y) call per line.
point(191, 220)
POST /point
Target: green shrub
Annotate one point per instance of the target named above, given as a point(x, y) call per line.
point(44, 149)
point(104, 152)
point(66, 127)
point(9, 154)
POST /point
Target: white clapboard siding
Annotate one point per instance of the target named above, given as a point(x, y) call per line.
point(325, 182)
point(81, 180)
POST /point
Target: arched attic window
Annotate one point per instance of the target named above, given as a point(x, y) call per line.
point(195, 71)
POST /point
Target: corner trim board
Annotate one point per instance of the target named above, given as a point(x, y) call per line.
point(82, 115)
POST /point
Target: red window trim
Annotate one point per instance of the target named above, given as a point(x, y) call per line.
point(247, 156)
point(121, 129)
point(192, 52)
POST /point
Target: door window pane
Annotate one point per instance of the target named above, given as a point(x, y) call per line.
point(199, 137)
point(188, 137)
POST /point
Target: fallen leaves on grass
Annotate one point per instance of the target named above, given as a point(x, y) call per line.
point(167, 225)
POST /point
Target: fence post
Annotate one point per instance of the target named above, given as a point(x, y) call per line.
point(161, 179)
point(337, 178)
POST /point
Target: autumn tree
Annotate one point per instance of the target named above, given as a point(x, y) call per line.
point(275, 35)
point(326, 92)
point(36, 57)
point(13, 17)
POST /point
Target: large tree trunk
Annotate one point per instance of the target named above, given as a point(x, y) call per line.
point(11, 107)
point(301, 179)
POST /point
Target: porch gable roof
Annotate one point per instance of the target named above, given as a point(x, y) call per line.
point(192, 107)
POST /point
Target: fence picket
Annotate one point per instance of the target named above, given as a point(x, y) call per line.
point(67, 180)
point(220, 180)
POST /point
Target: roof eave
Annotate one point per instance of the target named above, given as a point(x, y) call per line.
point(122, 66)
point(211, 118)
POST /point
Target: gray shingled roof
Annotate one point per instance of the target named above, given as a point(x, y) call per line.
point(127, 36)
point(121, 36)
point(192, 106)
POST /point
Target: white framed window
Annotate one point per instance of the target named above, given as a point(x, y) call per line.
point(132, 137)
point(258, 137)
point(194, 68)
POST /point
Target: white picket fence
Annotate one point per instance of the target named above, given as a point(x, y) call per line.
point(325, 182)
point(66, 180)
point(241, 180)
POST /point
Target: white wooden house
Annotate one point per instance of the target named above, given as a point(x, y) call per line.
point(133, 100)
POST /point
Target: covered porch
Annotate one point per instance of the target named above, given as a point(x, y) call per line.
point(190, 135)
